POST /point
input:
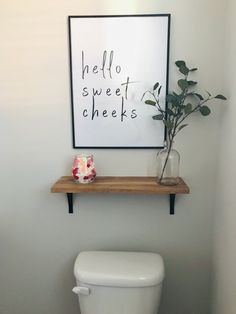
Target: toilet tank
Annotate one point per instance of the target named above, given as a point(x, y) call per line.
point(118, 282)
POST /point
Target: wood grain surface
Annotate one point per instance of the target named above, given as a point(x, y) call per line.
point(109, 184)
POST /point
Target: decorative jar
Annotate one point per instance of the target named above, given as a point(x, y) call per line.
point(83, 170)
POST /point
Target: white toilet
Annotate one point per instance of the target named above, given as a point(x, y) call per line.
point(118, 282)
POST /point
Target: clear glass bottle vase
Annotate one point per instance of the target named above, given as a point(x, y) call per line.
point(168, 160)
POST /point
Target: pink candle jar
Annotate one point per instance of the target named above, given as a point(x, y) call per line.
point(83, 170)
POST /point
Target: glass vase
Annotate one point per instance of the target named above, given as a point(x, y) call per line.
point(168, 160)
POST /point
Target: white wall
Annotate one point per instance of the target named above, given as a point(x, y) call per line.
point(38, 239)
point(224, 257)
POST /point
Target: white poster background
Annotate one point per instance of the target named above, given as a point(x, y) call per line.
point(114, 60)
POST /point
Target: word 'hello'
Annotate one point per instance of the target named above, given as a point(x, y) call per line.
point(95, 69)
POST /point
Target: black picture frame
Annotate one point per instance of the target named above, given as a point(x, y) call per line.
point(114, 59)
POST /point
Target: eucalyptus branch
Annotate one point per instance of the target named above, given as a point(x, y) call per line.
point(157, 100)
point(195, 109)
point(176, 110)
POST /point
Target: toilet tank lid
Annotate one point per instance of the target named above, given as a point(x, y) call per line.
point(119, 269)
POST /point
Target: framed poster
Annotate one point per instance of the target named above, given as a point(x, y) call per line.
point(113, 61)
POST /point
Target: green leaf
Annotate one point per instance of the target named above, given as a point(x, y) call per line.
point(193, 69)
point(150, 102)
point(156, 85)
point(168, 124)
point(188, 108)
point(159, 90)
point(184, 70)
point(191, 83)
point(205, 111)
point(158, 117)
point(182, 126)
point(180, 63)
point(182, 67)
point(171, 98)
point(220, 97)
point(183, 84)
point(198, 96)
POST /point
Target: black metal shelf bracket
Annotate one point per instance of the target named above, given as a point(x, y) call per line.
point(172, 204)
point(70, 202)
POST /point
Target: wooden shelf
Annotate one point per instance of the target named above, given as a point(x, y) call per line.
point(132, 185)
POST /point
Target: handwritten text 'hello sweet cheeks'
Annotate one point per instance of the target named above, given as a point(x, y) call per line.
point(107, 70)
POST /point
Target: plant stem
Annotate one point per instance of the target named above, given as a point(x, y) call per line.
point(170, 143)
